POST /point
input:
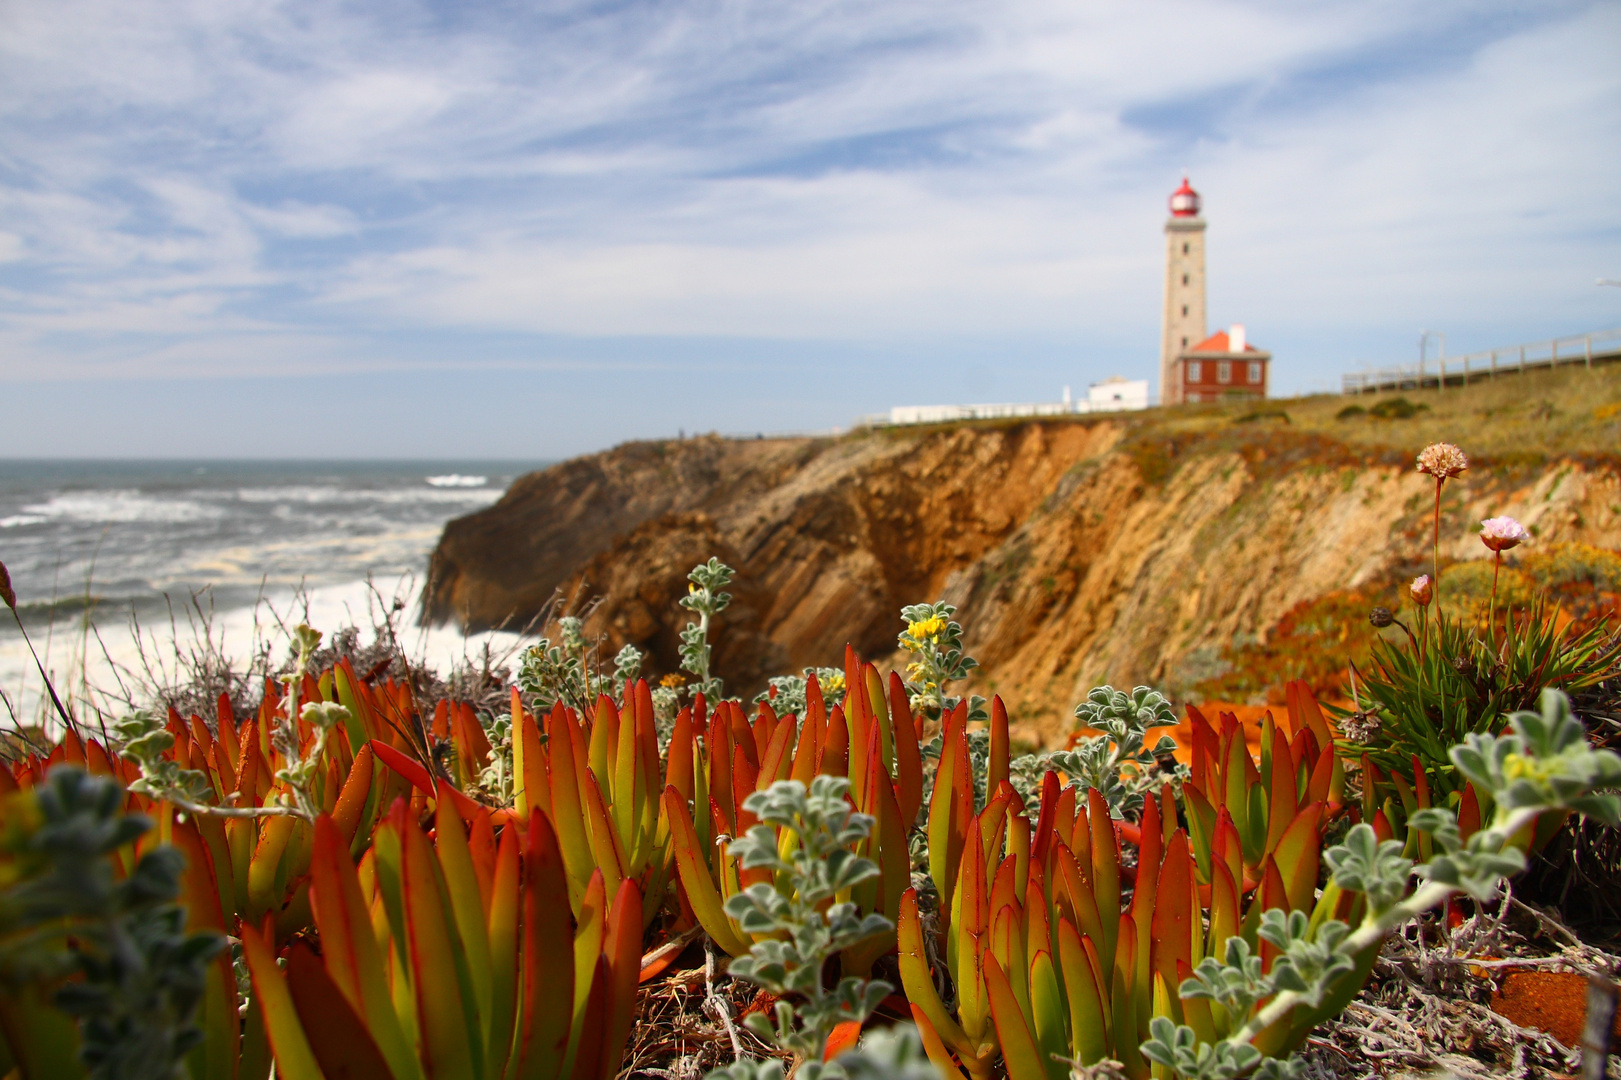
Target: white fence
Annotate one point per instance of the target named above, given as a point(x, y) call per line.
point(1601, 346)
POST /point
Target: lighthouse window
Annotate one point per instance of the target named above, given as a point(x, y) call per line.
point(1224, 371)
point(1184, 248)
point(1255, 371)
point(1194, 374)
point(1184, 310)
point(1184, 343)
point(1184, 279)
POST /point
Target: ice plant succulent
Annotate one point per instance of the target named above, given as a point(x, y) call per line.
point(1444, 462)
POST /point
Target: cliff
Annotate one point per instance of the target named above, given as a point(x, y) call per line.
point(1126, 548)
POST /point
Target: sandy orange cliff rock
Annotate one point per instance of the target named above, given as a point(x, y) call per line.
point(1078, 551)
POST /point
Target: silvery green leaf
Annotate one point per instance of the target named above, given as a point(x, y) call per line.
point(1290, 1068)
point(747, 1070)
point(887, 1054)
point(1378, 870)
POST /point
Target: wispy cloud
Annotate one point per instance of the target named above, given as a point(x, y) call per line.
point(249, 187)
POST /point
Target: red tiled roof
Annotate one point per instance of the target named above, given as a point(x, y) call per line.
point(1218, 342)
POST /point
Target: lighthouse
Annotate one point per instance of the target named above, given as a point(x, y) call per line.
point(1184, 321)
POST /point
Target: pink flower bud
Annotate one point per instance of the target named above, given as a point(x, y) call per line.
point(1422, 590)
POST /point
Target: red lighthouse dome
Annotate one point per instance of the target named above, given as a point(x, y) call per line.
point(1185, 201)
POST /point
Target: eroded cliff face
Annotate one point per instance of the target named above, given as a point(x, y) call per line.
point(1078, 552)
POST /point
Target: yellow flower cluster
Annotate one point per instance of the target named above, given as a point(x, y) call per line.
point(672, 680)
point(921, 631)
point(834, 684)
point(1521, 767)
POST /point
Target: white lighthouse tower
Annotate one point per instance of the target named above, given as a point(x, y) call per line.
point(1184, 322)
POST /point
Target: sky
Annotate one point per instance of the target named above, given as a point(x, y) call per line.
point(279, 228)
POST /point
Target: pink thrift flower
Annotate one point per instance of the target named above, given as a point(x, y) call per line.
point(1502, 533)
point(1422, 590)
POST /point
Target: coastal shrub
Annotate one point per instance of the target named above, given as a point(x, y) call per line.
point(1397, 408)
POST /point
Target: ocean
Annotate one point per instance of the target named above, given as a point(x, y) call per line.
point(154, 543)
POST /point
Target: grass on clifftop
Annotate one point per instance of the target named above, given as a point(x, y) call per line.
point(1571, 410)
point(1512, 419)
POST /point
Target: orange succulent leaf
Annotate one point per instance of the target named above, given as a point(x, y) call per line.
point(468, 917)
point(1303, 707)
point(354, 796)
point(919, 981)
point(1469, 817)
point(1048, 1015)
point(695, 880)
point(295, 1059)
point(623, 949)
point(404, 766)
point(606, 853)
point(882, 717)
point(908, 758)
point(504, 905)
point(844, 1037)
point(1088, 1006)
point(584, 1059)
point(567, 810)
point(1175, 906)
point(200, 896)
point(997, 770)
point(447, 1013)
point(1283, 803)
point(1019, 1053)
point(936, 1050)
point(339, 1040)
point(944, 829)
point(1297, 856)
point(679, 768)
point(1201, 827)
point(548, 955)
point(263, 868)
point(775, 764)
point(835, 755)
point(530, 788)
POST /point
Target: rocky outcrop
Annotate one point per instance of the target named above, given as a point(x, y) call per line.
point(1078, 551)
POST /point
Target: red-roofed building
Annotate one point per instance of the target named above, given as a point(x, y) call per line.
point(1222, 367)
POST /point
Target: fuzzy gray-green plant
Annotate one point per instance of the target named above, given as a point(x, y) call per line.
point(1545, 763)
point(566, 671)
point(1119, 763)
point(814, 870)
point(705, 600)
point(934, 639)
point(791, 689)
point(141, 974)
